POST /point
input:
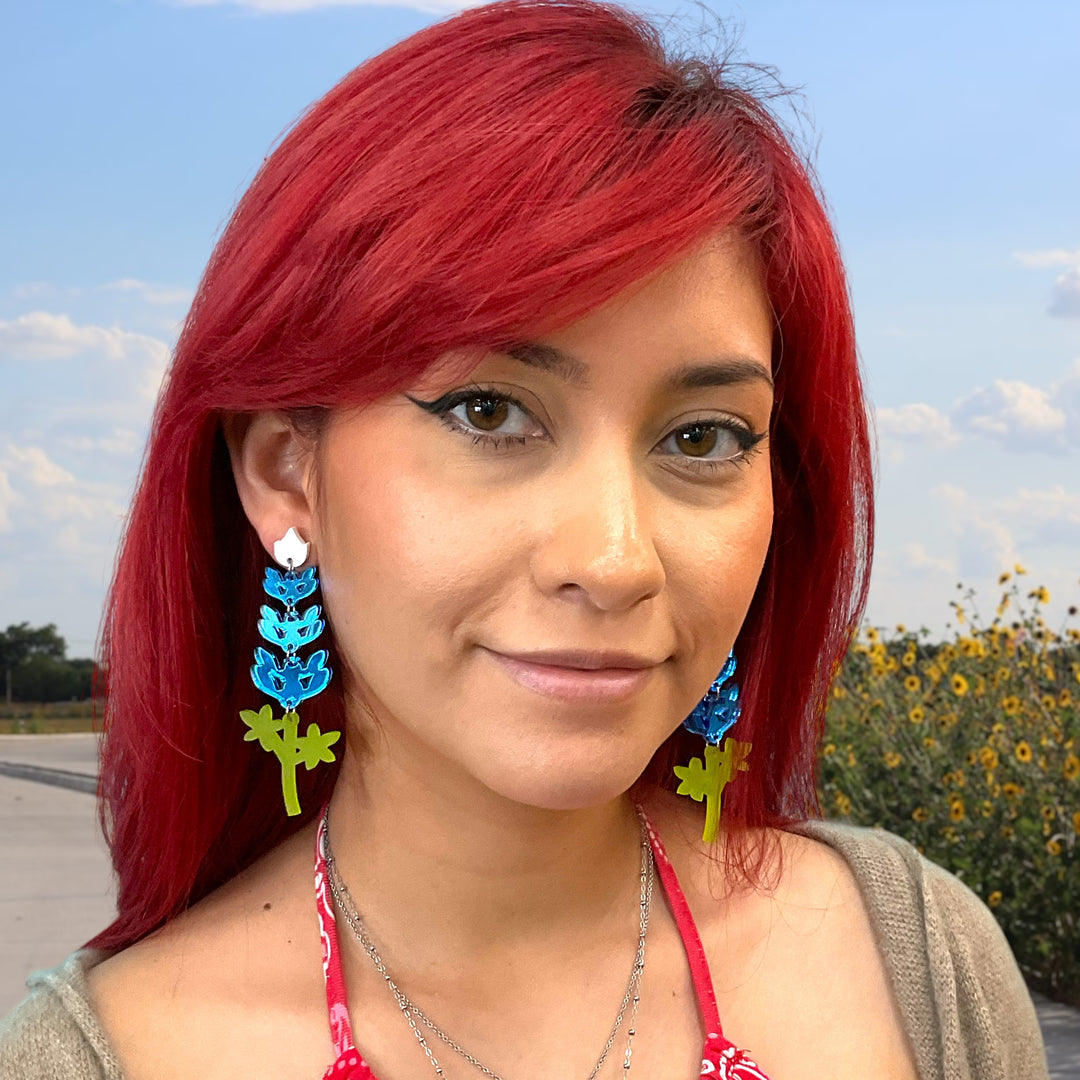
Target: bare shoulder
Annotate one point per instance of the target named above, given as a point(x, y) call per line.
point(208, 994)
point(800, 946)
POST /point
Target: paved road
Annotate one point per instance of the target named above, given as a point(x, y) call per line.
point(56, 888)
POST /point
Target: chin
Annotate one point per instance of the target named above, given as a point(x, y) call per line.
point(548, 783)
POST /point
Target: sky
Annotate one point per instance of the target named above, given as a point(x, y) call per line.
point(946, 136)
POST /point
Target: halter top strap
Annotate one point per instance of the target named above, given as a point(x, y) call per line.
point(721, 1059)
point(691, 939)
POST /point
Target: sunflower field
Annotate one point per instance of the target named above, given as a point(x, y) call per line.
point(969, 748)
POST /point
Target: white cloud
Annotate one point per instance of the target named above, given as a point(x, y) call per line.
point(48, 498)
point(1065, 298)
point(121, 441)
point(984, 542)
point(917, 424)
point(41, 335)
point(1011, 412)
point(1038, 260)
point(37, 467)
point(1015, 413)
point(8, 499)
point(917, 560)
point(152, 294)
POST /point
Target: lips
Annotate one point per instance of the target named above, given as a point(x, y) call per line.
point(576, 674)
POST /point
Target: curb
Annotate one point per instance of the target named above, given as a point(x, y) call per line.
point(74, 781)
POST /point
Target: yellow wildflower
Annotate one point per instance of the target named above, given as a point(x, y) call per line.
point(1041, 595)
point(1049, 702)
point(1048, 812)
point(901, 628)
point(994, 898)
point(989, 757)
point(843, 804)
point(1065, 698)
point(1004, 577)
point(1072, 767)
point(1008, 832)
point(1011, 790)
point(1010, 705)
point(959, 685)
point(852, 760)
point(1023, 751)
point(1076, 821)
point(839, 692)
point(1053, 846)
point(1018, 570)
point(829, 750)
point(917, 715)
point(919, 814)
point(912, 683)
point(892, 759)
point(872, 635)
point(929, 742)
point(908, 659)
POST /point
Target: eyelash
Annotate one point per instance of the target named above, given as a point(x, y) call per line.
point(749, 441)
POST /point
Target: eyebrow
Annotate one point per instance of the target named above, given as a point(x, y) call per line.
point(725, 372)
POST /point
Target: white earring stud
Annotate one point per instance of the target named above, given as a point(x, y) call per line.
point(290, 551)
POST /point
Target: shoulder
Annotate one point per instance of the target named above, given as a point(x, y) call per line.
point(956, 980)
point(208, 993)
point(55, 1032)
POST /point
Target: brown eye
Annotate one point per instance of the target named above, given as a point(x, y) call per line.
point(697, 440)
point(486, 413)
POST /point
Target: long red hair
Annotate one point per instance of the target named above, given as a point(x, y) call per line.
point(502, 172)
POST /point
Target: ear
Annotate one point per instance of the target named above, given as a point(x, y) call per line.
point(273, 466)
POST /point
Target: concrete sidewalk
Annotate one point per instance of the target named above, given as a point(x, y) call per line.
point(56, 888)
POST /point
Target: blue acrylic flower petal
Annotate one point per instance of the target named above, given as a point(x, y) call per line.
point(719, 709)
point(293, 681)
point(288, 633)
point(290, 587)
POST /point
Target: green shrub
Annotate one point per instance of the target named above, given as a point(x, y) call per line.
point(970, 749)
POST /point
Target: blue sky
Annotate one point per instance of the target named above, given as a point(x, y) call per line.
point(946, 136)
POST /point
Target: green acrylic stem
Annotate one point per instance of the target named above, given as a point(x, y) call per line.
point(289, 756)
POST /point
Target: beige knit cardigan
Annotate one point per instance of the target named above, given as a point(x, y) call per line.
point(966, 1010)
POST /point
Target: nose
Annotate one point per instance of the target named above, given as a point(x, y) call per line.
point(596, 542)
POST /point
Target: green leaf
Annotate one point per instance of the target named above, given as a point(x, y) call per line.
point(315, 746)
point(264, 728)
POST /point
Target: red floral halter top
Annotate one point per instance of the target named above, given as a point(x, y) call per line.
point(720, 1059)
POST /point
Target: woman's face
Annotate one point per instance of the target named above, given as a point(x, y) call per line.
point(534, 572)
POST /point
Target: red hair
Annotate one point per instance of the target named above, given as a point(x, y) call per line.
point(498, 174)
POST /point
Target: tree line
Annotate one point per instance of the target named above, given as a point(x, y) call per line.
point(34, 666)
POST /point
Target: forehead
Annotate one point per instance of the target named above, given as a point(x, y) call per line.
point(709, 305)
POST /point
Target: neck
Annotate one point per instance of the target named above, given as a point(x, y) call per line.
point(433, 857)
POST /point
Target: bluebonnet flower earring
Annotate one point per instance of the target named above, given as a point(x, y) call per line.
point(712, 717)
point(292, 680)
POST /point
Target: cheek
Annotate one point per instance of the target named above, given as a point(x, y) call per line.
point(404, 556)
point(715, 561)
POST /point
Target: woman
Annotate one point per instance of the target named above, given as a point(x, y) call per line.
point(535, 344)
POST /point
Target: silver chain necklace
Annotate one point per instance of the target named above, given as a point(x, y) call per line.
point(412, 1012)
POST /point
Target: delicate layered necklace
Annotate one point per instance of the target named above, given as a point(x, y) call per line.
point(413, 1013)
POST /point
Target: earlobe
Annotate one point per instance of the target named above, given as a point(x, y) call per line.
point(271, 465)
